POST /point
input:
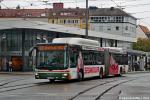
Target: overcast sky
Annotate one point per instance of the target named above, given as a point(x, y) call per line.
point(138, 8)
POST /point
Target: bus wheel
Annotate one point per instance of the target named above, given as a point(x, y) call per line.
point(101, 73)
point(51, 80)
point(80, 76)
point(121, 72)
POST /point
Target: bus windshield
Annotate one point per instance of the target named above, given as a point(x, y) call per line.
point(52, 60)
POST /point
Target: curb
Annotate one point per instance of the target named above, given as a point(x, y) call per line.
point(32, 73)
point(135, 72)
point(17, 73)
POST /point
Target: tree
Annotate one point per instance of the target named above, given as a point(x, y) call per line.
point(142, 44)
point(18, 7)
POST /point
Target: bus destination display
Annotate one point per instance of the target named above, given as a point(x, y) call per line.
point(51, 47)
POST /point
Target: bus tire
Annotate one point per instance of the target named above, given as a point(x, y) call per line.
point(80, 76)
point(121, 71)
point(101, 73)
point(51, 80)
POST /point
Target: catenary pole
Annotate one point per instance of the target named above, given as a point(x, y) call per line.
point(87, 18)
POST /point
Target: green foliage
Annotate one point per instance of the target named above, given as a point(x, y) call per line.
point(142, 44)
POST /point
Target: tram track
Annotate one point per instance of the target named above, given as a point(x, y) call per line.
point(110, 88)
point(21, 86)
point(82, 92)
point(78, 95)
point(7, 81)
point(4, 88)
point(113, 83)
point(28, 85)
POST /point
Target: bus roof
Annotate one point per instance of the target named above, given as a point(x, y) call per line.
point(77, 41)
point(136, 52)
point(115, 49)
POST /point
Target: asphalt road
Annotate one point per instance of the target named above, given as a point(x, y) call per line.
point(25, 87)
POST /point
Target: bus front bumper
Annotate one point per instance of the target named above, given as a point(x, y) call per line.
point(56, 76)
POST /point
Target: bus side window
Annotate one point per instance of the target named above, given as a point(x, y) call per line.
point(99, 58)
point(73, 59)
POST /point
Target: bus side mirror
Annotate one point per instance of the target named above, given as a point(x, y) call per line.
point(31, 50)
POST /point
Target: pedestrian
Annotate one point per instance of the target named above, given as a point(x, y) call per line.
point(10, 66)
point(136, 65)
point(141, 63)
point(7, 65)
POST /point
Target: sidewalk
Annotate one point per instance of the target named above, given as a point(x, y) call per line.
point(32, 73)
point(18, 73)
point(134, 72)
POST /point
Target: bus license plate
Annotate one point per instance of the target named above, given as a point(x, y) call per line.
point(50, 77)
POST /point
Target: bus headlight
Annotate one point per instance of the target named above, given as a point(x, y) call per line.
point(36, 74)
point(65, 74)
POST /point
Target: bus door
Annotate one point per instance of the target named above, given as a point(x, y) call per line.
point(75, 61)
point(73, 54)
point(106, 61)
point(113, 64)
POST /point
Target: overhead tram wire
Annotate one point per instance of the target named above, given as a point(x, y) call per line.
point(140, 12)
point(4, 5)
point(30, 4)
point(129, 6)
point(117, 4)
point(144, 18)
point(14, 19)
point(121, 10)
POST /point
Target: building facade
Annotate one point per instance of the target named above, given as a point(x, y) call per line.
point(15, 45)
point(18, 36)
point(21, 29)
point(113, 21)
point(107, 20)
point(68, 17)
point(29, 14)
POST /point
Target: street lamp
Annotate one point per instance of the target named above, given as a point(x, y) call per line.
point(87, 18)
point(4, 38)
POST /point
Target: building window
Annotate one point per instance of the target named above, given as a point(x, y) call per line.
point(53, 21)
point(28, 14)
point(68, 21)
point(43, 14)
point(133, 29)
point(75, 13)
point(54, 14)
point(76, 21)
point(126, 28)
point(73, 21)
point(108, 28)
point(64, 21)
point(62, 14)
point(117, 27)
point(83, 21)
